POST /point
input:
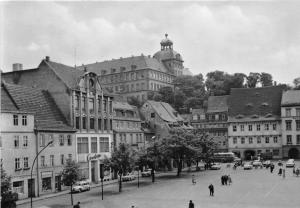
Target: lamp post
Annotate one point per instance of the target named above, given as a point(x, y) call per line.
point(37, 173)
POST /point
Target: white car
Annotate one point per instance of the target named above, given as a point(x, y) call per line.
point(80, 186)
point(248, 166)
point(128, 177)
point(257, 163)
point(146, 173)
point(215, 166)
point(290, 163)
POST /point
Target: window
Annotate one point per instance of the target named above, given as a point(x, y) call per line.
point(105, 124)
point(267, 140)
point(18, 186)
point(25, 141)
point(298, 125)
point(105, 105)
point(110, 107)
point(42, 140)
point(92, 123)
point(275, 139)
point(69, 139)
point(298, 139)
point(242, 140)
point(104, 144)
point(258, 140)
point(250, 140)
point(52, 160)
point(51, 139)
point(298, 112)
point(70, 157)
point(17, 164)
point(266, 127)
point(76, 102)
point(82, 145)
point(62, 159)
point(131, 138)
point(94, 145)
point(91, 105)
point(234, 128)
point(288, 125)
point(24, 120)
point(276, 152)
point(83, 122)
point(83, 104)
point(16, 120)
point(274, 126)
point(99, 105)
point(242, 127)
point(77, 122)
point(61, 140)
point(17, 142)
point(99, 124)
point(26, 162)
point(258, 127)
point(287, 112)
point(43, 161)
point(152, 115)
point(110, 124)
point(250, 127)
point(289, 139)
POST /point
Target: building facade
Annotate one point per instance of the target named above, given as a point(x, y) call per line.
point(138, 76)
point(290, 115)
point(254, 125)
point(127, 126)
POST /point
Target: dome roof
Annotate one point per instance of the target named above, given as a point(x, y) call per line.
point(166, 41)
point(167, 54)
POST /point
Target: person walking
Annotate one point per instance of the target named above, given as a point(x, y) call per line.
point(294, 171)
point(193, 180)
point(211, 190)
point(222, 180)
point(271, 167)
point(77, 205)
point(229, 180)
point(191, 204)
point(225, 179)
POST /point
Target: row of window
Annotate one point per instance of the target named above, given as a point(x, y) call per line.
point(212, 125)
point(20, 141)
point(52, 160)
point(83, 145)
point(107, 123)
point(288, 112)
point(16, 120)
point(105, 105)
point(216, 117)
point(18, 163)
point(258, 127)
point(62, 140)
point(288, 125)
point(128, 125)
point(251, 140)
point(139, 138)
point(289, 139)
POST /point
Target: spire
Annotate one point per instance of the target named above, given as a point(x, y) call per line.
point(166, 43)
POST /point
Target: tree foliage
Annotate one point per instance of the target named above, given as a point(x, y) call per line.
point(8, 198)
point(266, 79)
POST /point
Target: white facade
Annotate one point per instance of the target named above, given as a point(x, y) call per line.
point(18, 149)
point(255, 137)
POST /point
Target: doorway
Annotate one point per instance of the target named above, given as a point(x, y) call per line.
point(31, 184)
point(293, 153)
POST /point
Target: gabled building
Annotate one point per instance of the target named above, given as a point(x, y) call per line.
point(48, 125)
point(254, 121)
point(161, 117)
point(84, 104)
point(290, 115)
point(127, 125)
point(137, 76)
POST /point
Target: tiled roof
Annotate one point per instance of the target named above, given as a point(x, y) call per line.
point(290, 97)
point(217, 104)
point(7, 104)
point(47, 114)
point(122, 105)
point(165, 111)
point(141, 62)
point(255, 103)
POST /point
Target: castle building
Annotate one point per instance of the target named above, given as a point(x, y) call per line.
point(139, 76)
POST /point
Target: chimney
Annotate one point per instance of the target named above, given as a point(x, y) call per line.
point(17, 67)
point(47, 58)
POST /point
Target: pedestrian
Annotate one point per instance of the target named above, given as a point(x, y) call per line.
point(191, 204)
point(193, 180)
point(229, 180)
point(211, 190)
point(271, 167)
point(222, 180)
point(77, 205)
point(297, 172)
point(294, 171)
point(283, 173)
point(280, 171)
point(225, 179)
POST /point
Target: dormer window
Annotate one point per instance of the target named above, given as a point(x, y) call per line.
point(265, 104)
point(133, 67)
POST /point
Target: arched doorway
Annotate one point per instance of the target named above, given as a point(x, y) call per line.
point(293, 153)
point(248, 154)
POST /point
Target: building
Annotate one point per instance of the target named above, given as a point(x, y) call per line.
point(48, 125)
point(290, 118)
point(83, 103)
point(254, 125)
point(127, 126)
point(17, 144)
point(139, 76)
point(161, 117)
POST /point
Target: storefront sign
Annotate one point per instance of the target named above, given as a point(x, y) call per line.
point(93, 156)
point(46, 174)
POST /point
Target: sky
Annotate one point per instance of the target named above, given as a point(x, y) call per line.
point(235, 37)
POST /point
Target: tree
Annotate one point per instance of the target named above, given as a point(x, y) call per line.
point(8, 197)
point(70, 175)
point(167, 94)
point(122, 161)
point(296, 82)
point(134, 101)
point(253, 79)
point(266, 79)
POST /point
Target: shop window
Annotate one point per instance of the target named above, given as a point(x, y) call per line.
point(18, 186)
point(46, 184)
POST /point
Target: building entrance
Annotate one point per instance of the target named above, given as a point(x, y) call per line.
point(248, 154)
point(293, 153)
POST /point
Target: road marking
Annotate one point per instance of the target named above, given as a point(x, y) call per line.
point(268, 193)
point(240, 199)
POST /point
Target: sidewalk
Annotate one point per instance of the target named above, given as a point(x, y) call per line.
point(27, 200)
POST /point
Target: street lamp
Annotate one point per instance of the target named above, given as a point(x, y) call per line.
point(37, 173)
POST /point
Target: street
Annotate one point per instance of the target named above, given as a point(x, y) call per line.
point(250, 188)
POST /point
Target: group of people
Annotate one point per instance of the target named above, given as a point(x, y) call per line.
point(226, 179)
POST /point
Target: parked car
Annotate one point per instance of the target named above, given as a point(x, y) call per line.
point(215, 166)
point(128, 177)
point(257, 163)
point(290, 163)
point(146, 173)
point(80, 186)
point(267, 163)
point(248, 166)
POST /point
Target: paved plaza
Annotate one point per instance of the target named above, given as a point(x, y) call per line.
point(250, 188)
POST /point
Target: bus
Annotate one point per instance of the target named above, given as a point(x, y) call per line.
point(224, 157)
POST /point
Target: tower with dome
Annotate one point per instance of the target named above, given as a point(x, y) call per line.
point(140, 76)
